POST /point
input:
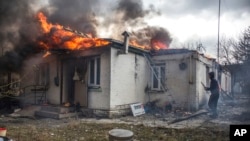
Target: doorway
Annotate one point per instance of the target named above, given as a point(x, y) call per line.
point(75, 81)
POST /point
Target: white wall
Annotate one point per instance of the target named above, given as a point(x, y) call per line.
point(100, 98)
point(53, 93)
point(177, 80)
point(129, 76)
point(226, 81)
point(204, 66)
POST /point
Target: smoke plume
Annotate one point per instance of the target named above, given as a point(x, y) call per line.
point(77, 14)
point(18, 30)
point(149, 35)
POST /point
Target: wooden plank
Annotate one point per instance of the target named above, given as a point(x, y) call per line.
point(201, 112)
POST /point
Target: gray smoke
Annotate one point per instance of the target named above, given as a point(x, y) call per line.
point(82, 15)
point(133, 15)
point(132, 9)
point(77, 14)
point(18, 30)
point(146, 36)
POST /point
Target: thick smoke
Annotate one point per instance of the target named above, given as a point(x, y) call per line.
point(131, 9)
point(118, 16)
point(134, 15)
point(18, 30)
point(146, 36)
point(77, 14)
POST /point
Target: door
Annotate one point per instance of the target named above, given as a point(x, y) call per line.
point(74, 81)
point(81, 84)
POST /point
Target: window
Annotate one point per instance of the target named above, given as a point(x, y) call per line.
point(158, 77)
point(94, 71)
point(42, 74)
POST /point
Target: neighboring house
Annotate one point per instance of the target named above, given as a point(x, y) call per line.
point(237, 77)
point(225, 81)
point(108, 79)
point(185, 70)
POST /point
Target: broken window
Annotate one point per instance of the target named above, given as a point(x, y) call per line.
point(158, 77)
point(94, 71)
point(42, 74)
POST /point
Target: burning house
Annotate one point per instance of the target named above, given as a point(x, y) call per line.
point(105, 75)
point(109, 78)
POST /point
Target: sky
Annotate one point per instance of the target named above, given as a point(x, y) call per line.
point(191, 21)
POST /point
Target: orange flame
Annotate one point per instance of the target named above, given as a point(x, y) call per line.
point(136, 44)
point(157, 45)
point(46, 54)
point(65, 38)
point(56, 35)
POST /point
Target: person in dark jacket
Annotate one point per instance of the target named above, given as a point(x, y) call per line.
point(215, 93)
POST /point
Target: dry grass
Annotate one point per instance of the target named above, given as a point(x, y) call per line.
point(79, 131)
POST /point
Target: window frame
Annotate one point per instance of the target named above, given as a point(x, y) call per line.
point(42, 74)
point(97, 72)
point(161, 79)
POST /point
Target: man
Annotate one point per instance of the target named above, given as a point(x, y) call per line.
point(214, 97)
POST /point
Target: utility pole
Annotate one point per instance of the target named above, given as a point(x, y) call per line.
point(218, 43)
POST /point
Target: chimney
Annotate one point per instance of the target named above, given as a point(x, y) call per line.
point(126, 41)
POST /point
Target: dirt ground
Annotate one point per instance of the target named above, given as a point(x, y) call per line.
point(23, 126)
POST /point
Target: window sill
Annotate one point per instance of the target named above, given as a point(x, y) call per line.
point(94, 89)
point(156, 91)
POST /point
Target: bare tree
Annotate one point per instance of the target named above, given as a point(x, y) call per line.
point(196, 45)
point(242, 53)
point(242, 50)
point(227, 48)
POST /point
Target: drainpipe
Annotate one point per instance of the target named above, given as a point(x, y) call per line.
point(191, 81)
point(61, 86)
point(190, 70)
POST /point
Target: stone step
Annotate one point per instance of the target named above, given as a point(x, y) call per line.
point(57, 109)
point(54, 115)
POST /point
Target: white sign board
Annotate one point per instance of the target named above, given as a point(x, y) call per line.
point(137, 109)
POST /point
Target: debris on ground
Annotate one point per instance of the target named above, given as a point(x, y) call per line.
point(174, 125)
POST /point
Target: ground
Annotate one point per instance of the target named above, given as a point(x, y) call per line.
point(148, 127)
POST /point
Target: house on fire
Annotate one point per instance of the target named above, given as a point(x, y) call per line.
point(110, 78)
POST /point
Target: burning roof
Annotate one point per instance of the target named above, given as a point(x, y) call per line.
point(22, 36)
point(57, 36)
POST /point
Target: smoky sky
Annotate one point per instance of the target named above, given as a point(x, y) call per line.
point(132, 9)
point(82, 15)
point(147, 35)
point(18, 31)
point(118, 16)
point(17, 24)
point(19, 28)
point(78, 14)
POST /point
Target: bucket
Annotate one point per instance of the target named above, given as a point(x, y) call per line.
point(3, 131)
